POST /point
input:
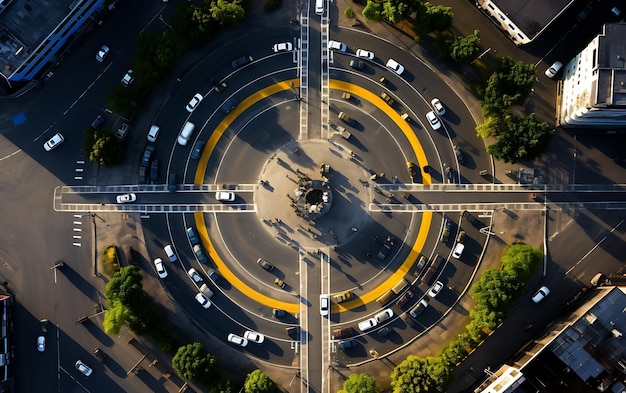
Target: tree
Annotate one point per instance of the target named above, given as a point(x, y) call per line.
point(464, 49)
point(125, 286)
point(394, 11)
point(103, 148)
point(227, 13)
point(193, 363)
point(156, 54)
point(521, 260)
point(489, 127)
point(373, 11)
point(348, 12)
point(359, 383)
point(258, 382)
point(115, 317)
point(418, 375)
point(521, 138)
point(439, 17)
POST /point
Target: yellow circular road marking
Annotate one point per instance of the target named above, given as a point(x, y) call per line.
point(417, 245)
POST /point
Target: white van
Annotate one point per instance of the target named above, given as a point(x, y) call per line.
point(319, 7)
point(185, 134)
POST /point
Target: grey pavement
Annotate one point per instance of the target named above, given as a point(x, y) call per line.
point(120, 229)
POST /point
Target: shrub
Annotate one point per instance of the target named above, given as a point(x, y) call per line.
point(349, 12)
point(109, 261)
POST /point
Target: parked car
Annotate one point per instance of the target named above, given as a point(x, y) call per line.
point(412, 169)
point(99, 122)
point(197, 279)
point(199, 254)
point(468, 216)
point(154, 171)
point(343, 332)
point(128, 78)
point(126, 198)
point(419, 308)
point(254, 336)
point(461, 237)
point(395, 66)
point(365, 54)
point(346, 344)
point(459, 154)
point(278, 313)
point(344, 297)
point(387, 330)
point(122, 131)
point(169, 251)
point(53, 142)
point(237, 340)
point(387, 98)
point(160, 268)
point(553, 69)
point(153, 133)
point(541, 294)
point(216, 278)
point(402, 301)
point(147, 155)
point(194, 102)
point(265, 264)
point(384, 315)
point(196, 152)
point(438, 106)
point(229, 105)
point(282, 47)
point(433, 120)
point(280, 283)
point(41, 343)
point(191, 234)
point(99, 354)
point(435, 289)
point(357, 64)
point(241, 61)
point(102, 53)
point(171, 183)
point(203, 300)
point(447, 226)
point(83, 368)
point(367, 324)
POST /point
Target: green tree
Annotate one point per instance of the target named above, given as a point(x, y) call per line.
point(489, 127)
point(359, 383)
point(258, 382)
point(415, 374)
point(125, 286)
point(394, 11)
point(521, 260)
point(104, 148)
point(227, 13)
point(521, 138)
point(115, 317)
point(193, 363)
point(464, 49)
point(439, 17)
point(348, 12)
point(373, 11)
point(156, 54)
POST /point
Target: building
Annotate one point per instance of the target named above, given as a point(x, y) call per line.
point(33, 33)
point(593, 90)
point(584, 352)
point(6, 342)
point(523, 20)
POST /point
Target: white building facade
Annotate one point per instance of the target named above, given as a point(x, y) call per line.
point(592, 93)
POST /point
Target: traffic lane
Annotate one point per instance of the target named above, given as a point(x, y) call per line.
point(590, 244)
point(232, 317)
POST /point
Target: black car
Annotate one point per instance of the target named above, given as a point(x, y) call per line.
point(265, 264)
point(357, 64)
point(229, 105)
point(197, 150)
point(347, 344)
point(241, 61)
point(449, 173)
point(154, 171)
point(147, 155)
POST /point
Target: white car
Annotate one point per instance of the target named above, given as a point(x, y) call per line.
point(324, 305)
point(438, 106)
point(435, 289)
point(365, 54)
point(254, 336)
point(553, 69)
point(433, 120)
point(193, 103)
point(195, 277)
point(53, 142)
point(153, 133)
point(336, 45)
point(203, 300)
point(126, 198)
point(160, 268)
point(169, 251)
point(282, 47)
point(83, 368)
point(541, 294)
point(395, 66)
point(367, 324)
point(237, 340)
point(102, 53)
point(41, 343)
point(383, 315)
point(128, 78)
point(225, 196)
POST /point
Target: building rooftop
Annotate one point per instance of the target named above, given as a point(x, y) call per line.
point(532, 16)
point(611, 89)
